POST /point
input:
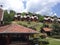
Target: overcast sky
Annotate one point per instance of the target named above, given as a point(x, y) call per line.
point(48, 7)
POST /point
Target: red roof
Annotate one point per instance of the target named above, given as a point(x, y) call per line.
point(15, 28)
point(47, 29)
point(1, 11)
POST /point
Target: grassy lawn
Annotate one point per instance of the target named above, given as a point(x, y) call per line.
point(53, 41)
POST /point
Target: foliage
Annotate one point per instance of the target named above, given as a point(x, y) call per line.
point(40, 18)
point(8, 17)
point(33, 25)
point(32, 28)
point(39, 41)
point(56, 29)
point(12, 13)
point(23, 13)
point(43, 36)
point(30, 13)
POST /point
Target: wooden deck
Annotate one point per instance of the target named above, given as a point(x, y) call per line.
point(19, 43)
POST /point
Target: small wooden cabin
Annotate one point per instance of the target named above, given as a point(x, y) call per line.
point(46, 30)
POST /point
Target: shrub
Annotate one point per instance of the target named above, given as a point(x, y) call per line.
point(56, 29)
point(43, 36)
point(32, 28)
point(8, 17)
point(44, 42)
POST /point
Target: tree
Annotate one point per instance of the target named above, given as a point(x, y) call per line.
point(8, 17)
point(30, 13)
point(12, 13)
point(40, 18)
point(23, 13)
point(56, 28)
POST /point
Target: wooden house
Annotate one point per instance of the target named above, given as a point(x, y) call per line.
point(18, 16)
point(28, 17)
point(52, 19)
point(47, 19)
point(35, 18)
point(14, 33)
point(25, 17)
point(15, 17)
point(58, 20)
point(46, 30)
point(32, 18)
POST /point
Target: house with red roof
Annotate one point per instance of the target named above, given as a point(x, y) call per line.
point(46, 30)
point(15, 33)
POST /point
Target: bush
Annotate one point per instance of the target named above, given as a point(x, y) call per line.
point(40, 18)
point(43, 36)
point(36, 41)
point(56, 29)
point(32, 28)
point(25, 25)
point(44, 42)
point(6, 23)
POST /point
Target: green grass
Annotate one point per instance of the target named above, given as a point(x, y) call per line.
point(35, 25)
point(53, 41)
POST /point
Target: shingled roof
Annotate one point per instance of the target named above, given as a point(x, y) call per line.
point(15, 28)
point(47, 29)
point(1, 14)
